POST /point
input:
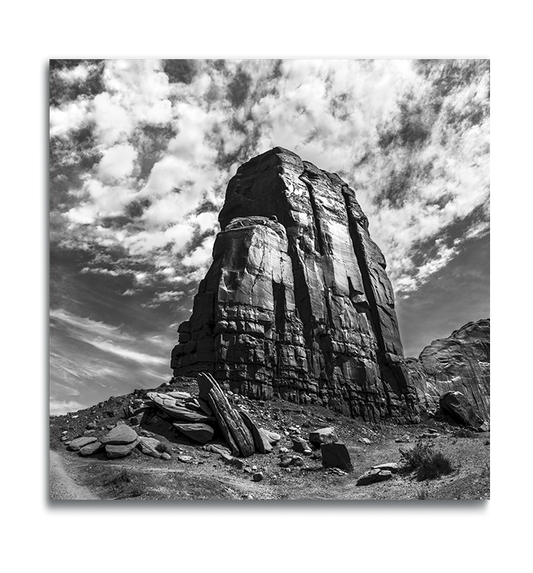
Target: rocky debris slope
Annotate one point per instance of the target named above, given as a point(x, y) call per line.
point(297, 302)
point(457, 364)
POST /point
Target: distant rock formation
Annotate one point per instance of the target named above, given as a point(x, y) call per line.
point(297, 302)
point(459, 363)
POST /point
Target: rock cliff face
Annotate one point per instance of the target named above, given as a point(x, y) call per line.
point(458, 363)
point(297, 302)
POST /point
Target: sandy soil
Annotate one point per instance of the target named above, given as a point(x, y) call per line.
point(62, 485)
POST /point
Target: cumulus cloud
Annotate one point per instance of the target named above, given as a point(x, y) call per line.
point(117, 162)
point(412, 138)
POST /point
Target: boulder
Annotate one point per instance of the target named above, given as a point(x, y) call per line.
point(272, 437)
point(301, 446)
point(120, 434)
point(229, 420)
point(261, 440)
point(120, 450)
point(148, 446)
point(458, 407)
point(322, 436)
point(392, 467)
point(201, 433)
point(297, 282)
point(217, 449)
point(178, 410)
point(374, 476)
point(92, 448)
point(78, 443)
point(336, 455)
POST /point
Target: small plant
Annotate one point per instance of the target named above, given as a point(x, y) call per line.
point(428, 463)
point(423, 493)
point(464, 433)
point(163, 448)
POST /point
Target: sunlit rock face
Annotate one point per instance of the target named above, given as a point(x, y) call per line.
point(458, 363)
point(297, 302)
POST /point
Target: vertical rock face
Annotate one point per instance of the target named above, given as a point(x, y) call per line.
point(459, 363)
point(297, 301)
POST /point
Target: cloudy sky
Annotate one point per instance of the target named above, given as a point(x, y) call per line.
point(141, 152)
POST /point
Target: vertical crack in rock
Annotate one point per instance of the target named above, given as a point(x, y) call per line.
point(319, 239)
point(365, 273)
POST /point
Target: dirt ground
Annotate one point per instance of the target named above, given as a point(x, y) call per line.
point(208, 477)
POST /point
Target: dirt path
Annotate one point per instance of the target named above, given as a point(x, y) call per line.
point(62, 486)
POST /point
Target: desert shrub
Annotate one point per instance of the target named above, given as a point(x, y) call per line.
point(428, 463)
point(464, 433)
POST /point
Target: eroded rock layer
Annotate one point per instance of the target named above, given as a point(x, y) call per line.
point(297, 302)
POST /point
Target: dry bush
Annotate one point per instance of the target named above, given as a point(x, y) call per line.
point(428, 463)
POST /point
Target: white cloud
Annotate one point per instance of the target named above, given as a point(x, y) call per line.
point(59, 407)
point(77, 74)
point(202, 255)
point(67, 118)
point(117, 162)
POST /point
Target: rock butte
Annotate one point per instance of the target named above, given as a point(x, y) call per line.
point(297, 302)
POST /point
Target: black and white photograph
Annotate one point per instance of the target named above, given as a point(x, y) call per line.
point(269, 279)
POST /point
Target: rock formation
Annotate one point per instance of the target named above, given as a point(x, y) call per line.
point(297, 302)
point(459, 363)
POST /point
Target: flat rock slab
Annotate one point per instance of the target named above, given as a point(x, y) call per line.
point(120, 450)
point(120, 434)
point(229, 420)
point(261, 441)
point(179, 395)
point(91, 448)
point(336, 456)
point(374, 476)
point(201, 433)
point(78, 443)
point(322, 436)
point(176, 409)
point(217, 449)
point(391, 467)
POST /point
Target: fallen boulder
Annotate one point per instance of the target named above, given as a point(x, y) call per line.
point(176, 409)
point(391, 467)
point(322, 436)
point(120, 434)
point(374, 476)
point(201, 433)
point(120, 450)
point(301, 446)
point(336, 456)
point(458, 407)
point(148, 446)
point(78, 443)
point(261, 441)
point(229, 420)
point(217, 449)
point(91, 448)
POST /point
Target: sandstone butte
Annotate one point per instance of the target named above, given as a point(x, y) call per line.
point(297, 302)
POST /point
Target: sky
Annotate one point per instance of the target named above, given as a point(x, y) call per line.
point(141, 152)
